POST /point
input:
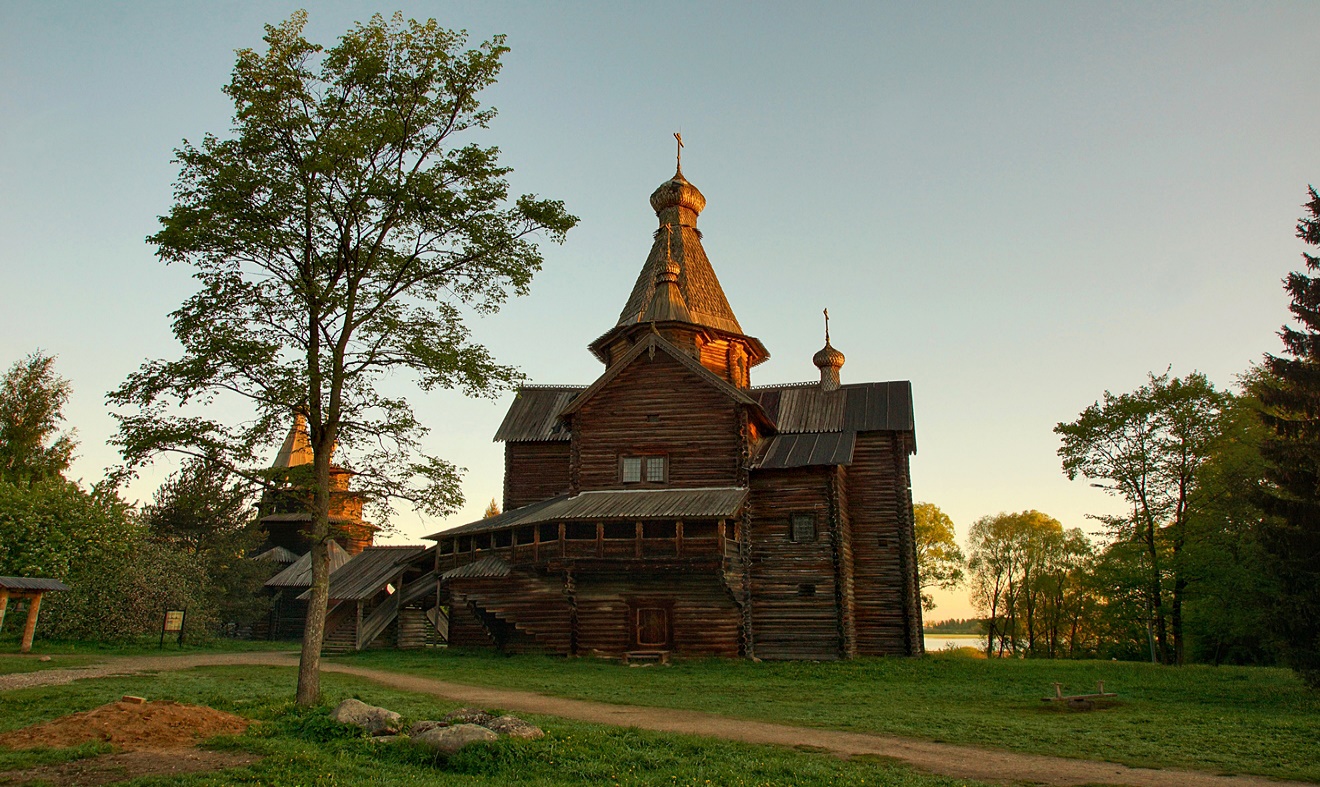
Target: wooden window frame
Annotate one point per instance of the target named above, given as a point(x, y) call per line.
point(793, 529)
point(645, 461)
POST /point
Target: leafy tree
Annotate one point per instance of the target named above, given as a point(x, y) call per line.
point(1024, 567)
point(492, 510)
point(1291, 400)
point(208, 513)
point(32, 400)
point(939, 559)
point(1148, 448)
point(339, 235)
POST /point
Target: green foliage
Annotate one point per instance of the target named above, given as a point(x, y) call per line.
point(32, 398)
point(1290, 539)
point(341, 233)
point(939, 559)
point(120, 581)
point(1028, 580)
point(1148, 448)
point(206, 512)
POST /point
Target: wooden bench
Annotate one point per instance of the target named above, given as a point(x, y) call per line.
point(657, 656)
point(1080, 700)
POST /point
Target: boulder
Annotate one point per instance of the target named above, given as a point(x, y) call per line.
point(448, 740)
point(514, 727)
point(468, 716)
point(425, 726)
point(376, 721)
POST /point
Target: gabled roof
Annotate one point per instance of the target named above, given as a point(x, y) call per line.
point(368, 572)
point(653, 343)
point(299, 574)
point(806, 450)
point(859, 407)
point(708, 502)
point(534, 414)
point(297, 449)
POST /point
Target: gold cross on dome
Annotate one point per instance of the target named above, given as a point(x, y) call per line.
point(678, 135)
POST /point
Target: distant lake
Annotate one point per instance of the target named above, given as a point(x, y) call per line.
point(946, 641)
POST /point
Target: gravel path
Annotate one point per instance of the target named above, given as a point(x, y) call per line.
point(967, 762)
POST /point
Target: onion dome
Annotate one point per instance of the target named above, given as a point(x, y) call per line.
point(667, 303)
point(678, 202)
point(828, 360)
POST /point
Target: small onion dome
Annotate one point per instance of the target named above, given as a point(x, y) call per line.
point(828, 357)
point(829, 361)
point(678, 193)
point(667, 302)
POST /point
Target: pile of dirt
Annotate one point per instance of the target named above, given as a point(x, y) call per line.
point(130, 726)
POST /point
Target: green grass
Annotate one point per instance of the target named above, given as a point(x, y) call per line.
point(304, 748)
point(1226, 719)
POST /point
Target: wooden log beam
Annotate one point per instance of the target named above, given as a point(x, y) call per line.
point(34, 606)
point(4, 605)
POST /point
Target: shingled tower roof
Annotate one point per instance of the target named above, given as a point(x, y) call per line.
point(677, 203)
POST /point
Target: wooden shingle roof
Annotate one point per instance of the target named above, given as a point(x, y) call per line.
point(299, 574)
point(31, 583)
point(534, 414)
point(713, 503)
point(369, 571)
point(805, 450)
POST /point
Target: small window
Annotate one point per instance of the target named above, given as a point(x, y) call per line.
point(503, 538)
point(803, 528)
point(806, 590)
point(884, 542)
point(526, 535)
point(549, 532)
point(655, 469)
point(630, 469)
point(653, 419)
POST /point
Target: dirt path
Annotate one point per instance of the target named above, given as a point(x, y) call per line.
point(968, 762)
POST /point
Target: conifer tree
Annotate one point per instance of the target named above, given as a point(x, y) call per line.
point(1291, 400)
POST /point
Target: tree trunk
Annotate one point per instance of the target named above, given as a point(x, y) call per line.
point(309, 664)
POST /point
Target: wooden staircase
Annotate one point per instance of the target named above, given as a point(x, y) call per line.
point(535, 608)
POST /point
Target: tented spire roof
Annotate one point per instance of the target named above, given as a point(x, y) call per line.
point(677, 203)
point(297, 449)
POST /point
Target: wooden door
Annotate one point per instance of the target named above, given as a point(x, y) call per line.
point(652, 627)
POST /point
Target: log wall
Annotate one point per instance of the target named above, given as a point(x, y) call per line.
point(535, 471)
point(656, 405)
point(880, 511)
point(788, 622)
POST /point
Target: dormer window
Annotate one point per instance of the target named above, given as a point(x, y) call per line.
point(636, 469)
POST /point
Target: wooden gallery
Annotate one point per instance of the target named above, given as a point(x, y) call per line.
point(670, 506)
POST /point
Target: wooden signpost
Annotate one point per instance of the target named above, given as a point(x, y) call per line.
point(173, 623)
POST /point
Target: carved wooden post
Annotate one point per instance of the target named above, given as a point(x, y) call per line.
point(4, 604)
point(34, 607)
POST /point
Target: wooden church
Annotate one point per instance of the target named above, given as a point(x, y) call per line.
point(671, 507)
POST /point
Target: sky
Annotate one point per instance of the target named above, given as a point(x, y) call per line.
point(1015, 206)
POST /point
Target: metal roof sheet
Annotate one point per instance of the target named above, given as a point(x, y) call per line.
point(486, 568)
point(717, 502)
point(299, 574)
point(534, 414)
point(31, 583)
point(805, 450)
point(858, 407)
point(368, 572)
